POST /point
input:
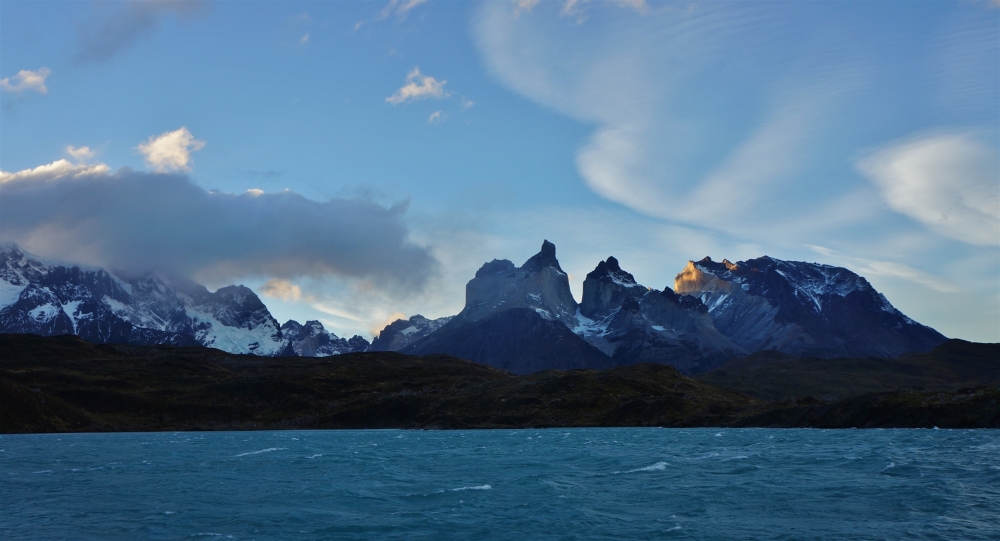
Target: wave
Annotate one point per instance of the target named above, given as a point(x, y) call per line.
point(659, 466)
point(262, 451)
point(480, 487)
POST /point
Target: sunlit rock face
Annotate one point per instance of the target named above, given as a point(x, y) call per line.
point(403, 332)
point(49, 298)
point(633, 323)
point(804, 309)
point(313, 340)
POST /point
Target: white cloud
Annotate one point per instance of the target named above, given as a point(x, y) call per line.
point(27, 80)
point(949, 182)
point(170, 151)
point(418, 87)
point(255, 192)
point(54, 171)
point(436, 117)
point(304, 40)
point(466, 104)
point(400, 8)
point(79, 153)
point(523, 6)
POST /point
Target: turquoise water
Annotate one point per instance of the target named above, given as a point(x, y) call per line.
point(503, 484)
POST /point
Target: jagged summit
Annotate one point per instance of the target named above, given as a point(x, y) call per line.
point(313, 340)
point(606, 287)
point(540, 285)
point(403, 332)
point(609, 269)
point(546, 257)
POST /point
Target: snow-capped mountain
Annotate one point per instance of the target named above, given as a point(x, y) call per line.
point(51, 298)
point(632, 323)
point(403, 332)
point(312, 340)
point(804, 309)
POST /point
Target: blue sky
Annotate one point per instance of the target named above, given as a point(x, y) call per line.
point(420, 139)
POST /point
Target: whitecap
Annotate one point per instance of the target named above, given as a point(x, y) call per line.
point(314, 456)
point(659, 466)
point(480, 487)
point(262, 451)
point(43, 471)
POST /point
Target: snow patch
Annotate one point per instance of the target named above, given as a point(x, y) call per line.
point(44, 312)
point(10, 293)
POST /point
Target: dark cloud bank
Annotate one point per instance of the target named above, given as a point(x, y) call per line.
point(138, 221)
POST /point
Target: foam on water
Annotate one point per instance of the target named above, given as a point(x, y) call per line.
point(681, 483)
point(659, 466)
point(268, 450)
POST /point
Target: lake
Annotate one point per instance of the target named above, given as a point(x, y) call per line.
point(558, 484)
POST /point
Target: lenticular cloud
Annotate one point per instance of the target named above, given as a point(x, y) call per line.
point(138, 221)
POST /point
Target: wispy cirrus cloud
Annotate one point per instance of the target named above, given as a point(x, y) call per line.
point(950, 182)
point(399, 8)
point(27, 80)
point(170, 151)
point(418, 87)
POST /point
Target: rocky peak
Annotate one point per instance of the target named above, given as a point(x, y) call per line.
point(544, 258)
point(497, 266)
point(606, 287)
point(403, 332)
point(610, 270)
point(540, 285)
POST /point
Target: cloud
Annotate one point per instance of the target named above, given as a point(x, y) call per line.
point(418, 87)
point(148, 221)
point(400, 8)
point(125, 25)
point(277, 288)
point(79, 153)
point(27, 80)
point(435, 117)
point(170, 151)
point(873, 267)
point(523, 6)
point(59, 169)
point(304, 40)
point(633, 83)
point(949, 182)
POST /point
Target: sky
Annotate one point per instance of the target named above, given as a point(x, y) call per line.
point(355, 162)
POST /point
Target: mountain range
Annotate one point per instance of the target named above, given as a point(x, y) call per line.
point(521, 319)
point(50, 298)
